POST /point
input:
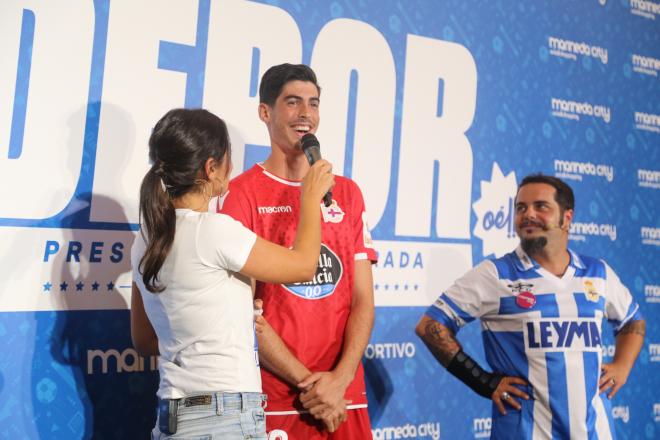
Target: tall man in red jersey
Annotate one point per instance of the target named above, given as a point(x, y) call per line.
point(313, 375)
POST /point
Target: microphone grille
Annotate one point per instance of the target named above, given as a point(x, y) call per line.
point(308, 141)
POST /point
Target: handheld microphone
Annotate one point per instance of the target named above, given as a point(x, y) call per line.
point(312, 149)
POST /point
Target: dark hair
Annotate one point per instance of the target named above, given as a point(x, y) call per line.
point(563, 193)
point(180, 144)
point(273, 81)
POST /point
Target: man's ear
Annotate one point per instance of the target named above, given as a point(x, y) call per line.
point(264, 112)
point(568, 219)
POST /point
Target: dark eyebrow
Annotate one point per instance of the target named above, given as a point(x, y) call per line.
point(300, 98)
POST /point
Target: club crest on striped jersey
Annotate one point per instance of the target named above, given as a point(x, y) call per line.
point(328, 273)
point(590, 291)
point(525, 299)
point(332, 213)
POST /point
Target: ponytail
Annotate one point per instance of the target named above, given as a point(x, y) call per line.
point(158, 222)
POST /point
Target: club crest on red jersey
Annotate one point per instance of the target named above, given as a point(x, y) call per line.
point(332, 213)
point(328, 273)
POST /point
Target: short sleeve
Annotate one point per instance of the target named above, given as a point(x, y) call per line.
point(137, 251)
point(620, 307)
point(364, 245)
point(463, 302)
point(224, 243)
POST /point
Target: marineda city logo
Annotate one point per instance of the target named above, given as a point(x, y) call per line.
point(562, 108)
point(652, 293)
point(570, 169)
point(648, 178)
point(647, 122)
point(645, 65)
point(650, 236)
point(423, 430)
point(481, 427)
point(645, 8)
point(654, 352)
point(128, 361)
point(571, 49)
point(621, 412)
point(579, 231)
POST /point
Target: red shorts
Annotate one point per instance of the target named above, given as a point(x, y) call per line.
point(305, 427)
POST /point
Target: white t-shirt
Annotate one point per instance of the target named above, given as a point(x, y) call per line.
point(204, 318)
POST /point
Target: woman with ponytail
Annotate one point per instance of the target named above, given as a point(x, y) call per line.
point(192, 297)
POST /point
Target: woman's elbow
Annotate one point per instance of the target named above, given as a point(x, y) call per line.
point(145, 347)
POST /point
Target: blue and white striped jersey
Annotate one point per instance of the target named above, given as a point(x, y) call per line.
point(547, 330)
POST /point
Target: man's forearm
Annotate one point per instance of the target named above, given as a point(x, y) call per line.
point(439, 339)
point(275, 356)
point(360, 321)
point(356, 337)
point(629, 342)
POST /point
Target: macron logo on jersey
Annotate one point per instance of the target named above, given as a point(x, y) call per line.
point(274, 209)
point(562, 335)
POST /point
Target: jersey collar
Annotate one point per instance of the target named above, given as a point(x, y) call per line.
point(277, 178)
point(524, 262)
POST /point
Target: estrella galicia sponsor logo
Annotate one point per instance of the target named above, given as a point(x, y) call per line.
point(652, 293)
point(654, 352)
point(494, 211)
point(328, 273)
point(481, 427)
point(128, 361)
point(423, 430)
point(274, 209)
point(576, 170)
point(608, 352)
point(645, 8)
point(621, 412)
point(650, 236)
point(552, 335)
point(647, 122)
point(648, 178)
point(656, 412)
point(566, 109)
point(645, 65)
point(390, 350)
point(571, 49)
point(579, 231)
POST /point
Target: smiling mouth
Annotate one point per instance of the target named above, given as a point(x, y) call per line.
point(302, 129)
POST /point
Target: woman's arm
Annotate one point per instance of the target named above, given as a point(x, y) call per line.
point(143, 335)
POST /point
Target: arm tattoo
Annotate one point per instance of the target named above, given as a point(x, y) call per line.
point(440, 340)
point(637, 327)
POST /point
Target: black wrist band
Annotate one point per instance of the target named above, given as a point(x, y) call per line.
point(465, 369)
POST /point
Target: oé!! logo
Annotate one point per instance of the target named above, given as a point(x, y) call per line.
point(328, 273)
point(495, 213)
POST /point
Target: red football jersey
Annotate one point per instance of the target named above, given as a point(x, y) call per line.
point(310, 317)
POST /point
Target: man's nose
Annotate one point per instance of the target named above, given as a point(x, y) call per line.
point(304, 110)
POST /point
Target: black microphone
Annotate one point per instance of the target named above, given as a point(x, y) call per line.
point(312, 150)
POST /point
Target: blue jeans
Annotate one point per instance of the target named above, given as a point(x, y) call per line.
point(217, 416)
